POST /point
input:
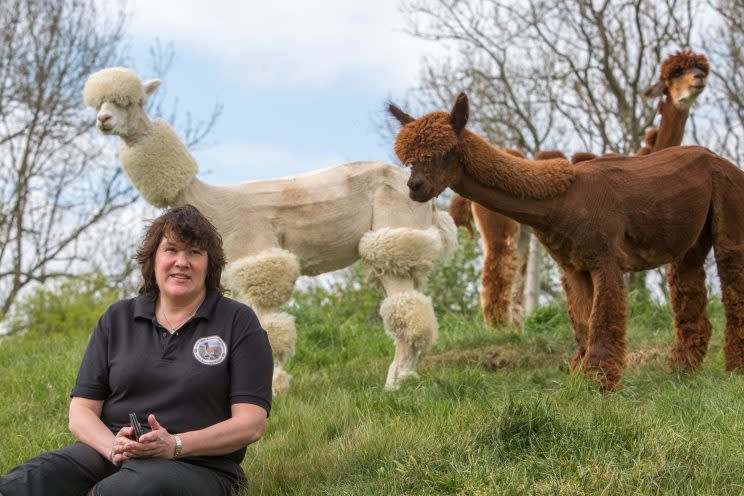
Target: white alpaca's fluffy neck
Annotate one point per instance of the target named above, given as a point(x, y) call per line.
point(158, 164)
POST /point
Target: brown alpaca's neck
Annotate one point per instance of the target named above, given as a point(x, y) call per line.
point(671, 127)
point(513, 186)
point(516, 176)
point(525, 211)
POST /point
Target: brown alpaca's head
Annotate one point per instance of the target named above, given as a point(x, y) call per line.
point(429, 145)
point(682, 78)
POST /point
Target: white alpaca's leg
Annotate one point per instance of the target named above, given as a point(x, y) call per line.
point(400, 258)
point(408, 317)
point(265, 281)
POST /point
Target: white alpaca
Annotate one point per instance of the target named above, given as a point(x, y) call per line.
point(275, 230)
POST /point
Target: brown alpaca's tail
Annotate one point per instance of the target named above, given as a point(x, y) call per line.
point(461, 213)
point(549, 155)
point(582, 157)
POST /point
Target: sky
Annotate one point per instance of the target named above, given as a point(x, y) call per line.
point(301, 82)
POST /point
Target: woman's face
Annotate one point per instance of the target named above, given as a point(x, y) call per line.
point(180, 269)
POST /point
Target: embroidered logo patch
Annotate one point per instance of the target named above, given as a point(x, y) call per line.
point(210, 350)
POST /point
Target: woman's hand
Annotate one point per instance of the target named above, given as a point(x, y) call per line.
point(158, 443)
point(119, 451)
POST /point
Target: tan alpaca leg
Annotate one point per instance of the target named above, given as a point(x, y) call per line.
point(401, 252)
point(605, 350)
point(688, 297)
point(497, 238)
point(265, 282)
point(400, 259)
point(579, 295)
point(408, 317)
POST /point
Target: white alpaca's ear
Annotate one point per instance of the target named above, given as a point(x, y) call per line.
point(150, 86)
point(654, 90)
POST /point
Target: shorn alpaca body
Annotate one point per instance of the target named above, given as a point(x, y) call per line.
point(598, 220)
point(275, 230)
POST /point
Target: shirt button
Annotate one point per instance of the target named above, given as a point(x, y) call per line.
point(165, 334)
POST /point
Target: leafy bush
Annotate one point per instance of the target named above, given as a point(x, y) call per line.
point(646, 312)
point(548, 318)
point(454, 283)
point(347, 294)
point(63, 308)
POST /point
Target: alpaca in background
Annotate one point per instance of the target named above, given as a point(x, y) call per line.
point(505, 260)
point(682, 79)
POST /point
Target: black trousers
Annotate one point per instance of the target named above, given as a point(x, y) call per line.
point(75, 469)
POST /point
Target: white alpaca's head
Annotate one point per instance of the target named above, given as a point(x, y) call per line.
point(119, 97)
point(151, 153)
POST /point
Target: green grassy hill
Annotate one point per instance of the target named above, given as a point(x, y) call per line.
point(494, 411)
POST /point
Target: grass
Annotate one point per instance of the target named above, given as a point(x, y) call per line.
point(494, 411)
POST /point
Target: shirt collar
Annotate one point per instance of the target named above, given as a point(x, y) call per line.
point(144, 305)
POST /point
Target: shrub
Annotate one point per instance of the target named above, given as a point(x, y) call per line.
point(454, 283)
point(65, 308)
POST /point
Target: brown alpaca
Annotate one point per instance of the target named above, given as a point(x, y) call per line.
point(682, 79)
point(498, 234)
point(598, 221)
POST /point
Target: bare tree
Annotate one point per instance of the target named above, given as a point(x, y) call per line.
point(555, 73)
point(54, 182)
point(541, 74)
point(59, 181)
point(723, 128)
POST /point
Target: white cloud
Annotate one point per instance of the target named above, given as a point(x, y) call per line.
point(286, 42)
point(236, 162)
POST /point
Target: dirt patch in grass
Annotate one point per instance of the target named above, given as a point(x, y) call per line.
point(642, 355)
point(493, 358)
point(490, 358)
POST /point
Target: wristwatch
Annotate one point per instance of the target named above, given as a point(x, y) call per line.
point(179, 445)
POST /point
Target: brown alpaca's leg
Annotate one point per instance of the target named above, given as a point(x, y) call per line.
point(497, 235)
point(727, 222)
point(521, 257)
point(731, 272)
point(578, 288)
point(605, 351)
point(688, 297)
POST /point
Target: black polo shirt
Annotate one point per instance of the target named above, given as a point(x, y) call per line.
point(188, 379)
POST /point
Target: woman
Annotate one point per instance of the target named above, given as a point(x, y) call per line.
point(194, 366)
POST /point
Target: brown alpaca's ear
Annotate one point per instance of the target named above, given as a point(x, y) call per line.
point(655, 90)
point(401, 116)
point(460, 113)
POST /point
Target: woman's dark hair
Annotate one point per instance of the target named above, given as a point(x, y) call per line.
point(187, 225)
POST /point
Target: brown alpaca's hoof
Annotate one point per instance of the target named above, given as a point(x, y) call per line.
point(576, 362)
point(735, 365)
point(605, 373)
point(605, 381)
point(682, 361)
point(733, 352)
